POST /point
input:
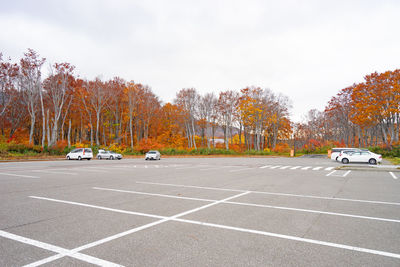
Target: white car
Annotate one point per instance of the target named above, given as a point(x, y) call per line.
point(104, 154)
point(80, 153)
point(337, 150)
point(359, 156)
point(153, 154)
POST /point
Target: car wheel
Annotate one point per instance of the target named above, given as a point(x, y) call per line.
point(112, 158)
point(336, 158)
point(88, 158)
point(68, 158)
point(99, 157)
point(345, 161)
point(119, 158)
point(372, 161)
point(79, 158)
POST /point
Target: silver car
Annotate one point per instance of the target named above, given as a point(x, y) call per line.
point(105, 154)
point(153, 154)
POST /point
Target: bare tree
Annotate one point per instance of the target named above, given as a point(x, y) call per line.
point(227, 104)
point(187, 99)
point(58, 87)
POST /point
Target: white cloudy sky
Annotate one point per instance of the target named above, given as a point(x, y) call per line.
point(307, 50)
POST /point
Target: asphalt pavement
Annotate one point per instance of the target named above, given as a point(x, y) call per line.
point(199, 212)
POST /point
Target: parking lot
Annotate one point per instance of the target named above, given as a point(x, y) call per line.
point(199, 212)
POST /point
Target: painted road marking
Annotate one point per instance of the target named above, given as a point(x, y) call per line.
point(274, 167)
point(163, 219)
point(277, 194)
point(61, 251)
point(51, 172)
point(245, 230)
point(295, 238)
point(392, 174)
point(18, 175)
point(316, 168)
point(329, 168)
point(295, 167)
point(266, 166)
point(332, 172)
point(96, 207)
point(284, 167)
point(306, 168)
point(152, 194)
point(255, 205)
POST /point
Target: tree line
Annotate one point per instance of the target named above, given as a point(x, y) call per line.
point(362, 115)
point(64, 108)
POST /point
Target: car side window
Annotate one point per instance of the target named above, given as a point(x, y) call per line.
point(364, 153)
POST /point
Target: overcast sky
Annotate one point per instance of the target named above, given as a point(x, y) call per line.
point(307, 50)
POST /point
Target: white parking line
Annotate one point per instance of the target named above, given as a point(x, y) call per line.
point(254, 205)
point(61, 251)
point(152, 194)
point(266, 166)
point(295, 238)
point(163, 219)
point(284, 167)
point(96, 207)
point(329, 168)
point(277, 194)
point(51, 172)
point(332, 172)
point(306, 168)
point(316, 168)
point(18, 175)
point(295, 167)
point(274, 167)
point(392, 174)
point(344, 175)
point(245, 230)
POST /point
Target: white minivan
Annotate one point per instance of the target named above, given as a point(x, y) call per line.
point(80, 153)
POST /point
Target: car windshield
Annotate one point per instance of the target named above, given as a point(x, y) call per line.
point(152, 152)
point(89, 150)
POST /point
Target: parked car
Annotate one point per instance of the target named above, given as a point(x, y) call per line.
point(80, 153)
point(360, 156)
point(153, 154)
point(337, 150)
point(105, 154)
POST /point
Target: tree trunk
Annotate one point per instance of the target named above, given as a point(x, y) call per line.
point(69, 134)
point(43, 120)
point(131, 130)
point(48, 128)
point(97, 128)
